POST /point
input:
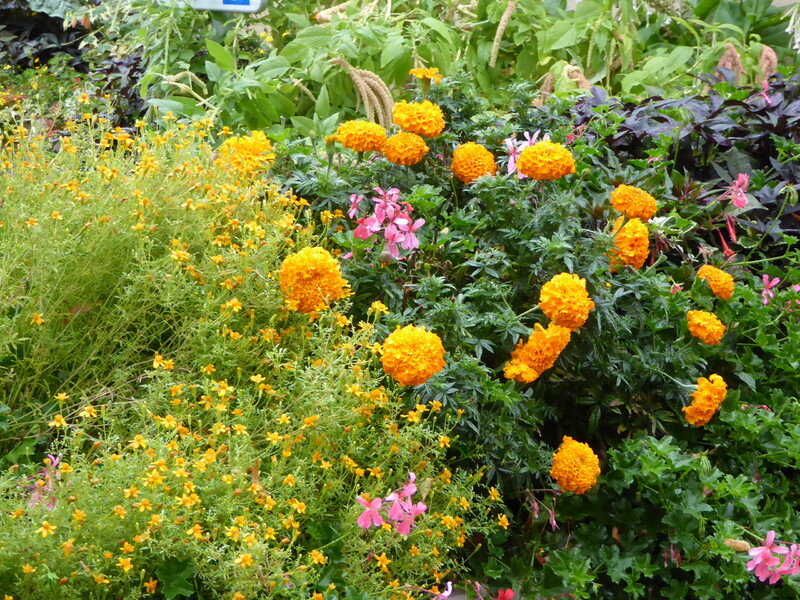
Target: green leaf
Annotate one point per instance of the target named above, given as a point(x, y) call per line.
point(303, 125)
point(222, 57)
point(175, 574)
point(213, 71)
point(323, 104)
point(273, 67)
point(392, 50)
point(439, 27)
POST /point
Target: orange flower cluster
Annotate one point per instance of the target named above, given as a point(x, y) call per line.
point(575, 466)
point(431, 74)
point(423, 118)
point(546, 161)
point(412, 355)
point(246, 154)
point(361, 136)
point(721, 283)
point(705, 326)
point(631, 244)
point(405, 149)
point(471, 161)
point(706, 400)
point(633, 202)
point(310, 280)
point(539, 353)
point(565, 301)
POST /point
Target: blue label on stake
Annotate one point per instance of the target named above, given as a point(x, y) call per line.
point(236, 2)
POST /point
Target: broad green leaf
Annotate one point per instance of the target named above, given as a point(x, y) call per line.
point(392, 50)
point(439, 27)
point(222, 57)
point(273, 67)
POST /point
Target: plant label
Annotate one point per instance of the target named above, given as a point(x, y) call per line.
point(242, 6)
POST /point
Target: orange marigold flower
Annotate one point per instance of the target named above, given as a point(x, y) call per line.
point(706, 399)
point(471, 161)
point(246, 154)
point(405, 149)
point(721, 283)
point(705, 326)
point(539, 353)
point(546, 161)
point(633, 202)
point(423, 73)
point(361, 136)
point(423, 118)
point(310, 280)
point(631, 244)
point(412, 355)
point(575, 466)
point(565, 301)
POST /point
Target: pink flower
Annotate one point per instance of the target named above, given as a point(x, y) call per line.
point(736, 191)
point(763, 92)
point(366, 227)
point(515, 149)
point(393, 237)
point(414, 510)
point(726, 251)
point(371, 514)
point(398, 508)
point(767, 293)
point(506, 594)
point(513, 154)
point(763, 560)
point(675, 288)
point(407, 228)
point(355, 200)
point(448, 589)
point(796, 287)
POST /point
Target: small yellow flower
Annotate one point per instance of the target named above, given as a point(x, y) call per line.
point(46, 529)
point(61, 396)
point(58, 421)
point(26, 568)
point(37, 319)
point(151, 586)
point(88, 412)
point(502, 521)
point(243, 560)
point(125, 564)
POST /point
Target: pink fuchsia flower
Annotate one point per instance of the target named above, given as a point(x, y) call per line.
point(675, 288)
point(767, 293)
point(763, 561)
point(796, 287)
point(370, 516)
